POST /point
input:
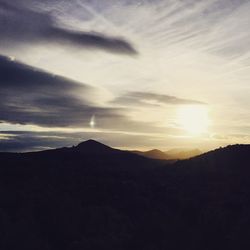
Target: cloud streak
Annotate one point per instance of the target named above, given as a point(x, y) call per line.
point(21, 26)
point(31, 96)
point(152, 99)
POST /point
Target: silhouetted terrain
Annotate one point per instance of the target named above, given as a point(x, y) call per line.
point(181, 154)
point(94, 197)
point(153, 154)
point(170, 155)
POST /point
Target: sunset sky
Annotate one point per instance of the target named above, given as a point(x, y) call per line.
point(132, 74)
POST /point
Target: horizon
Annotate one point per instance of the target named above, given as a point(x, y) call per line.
point(133, 150)
point(135, 75)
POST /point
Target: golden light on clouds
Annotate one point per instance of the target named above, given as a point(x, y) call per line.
point(92, 122)
point(193, 119)
point(143, 68)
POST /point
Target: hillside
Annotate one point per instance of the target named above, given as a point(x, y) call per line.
point(94, 197)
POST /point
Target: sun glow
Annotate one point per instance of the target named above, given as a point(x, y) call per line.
point(193, 119)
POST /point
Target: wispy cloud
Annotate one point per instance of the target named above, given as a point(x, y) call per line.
point(190, 52)
point(31, 96)
point(152, 99)
point(20, 25)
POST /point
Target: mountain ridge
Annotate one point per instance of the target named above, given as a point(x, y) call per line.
point(172, 155)
point(69, 198)
point(93, 146)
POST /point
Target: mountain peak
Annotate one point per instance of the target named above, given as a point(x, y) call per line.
point(90, 142)
point(92, 146)
point(153, 154)
point(154, 151)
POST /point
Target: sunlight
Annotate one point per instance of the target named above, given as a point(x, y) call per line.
point(193, 119)
point(92, 122)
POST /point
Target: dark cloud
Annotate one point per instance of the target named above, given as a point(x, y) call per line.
point(20, 25)
point(25, 141)
point(92, 40)
point(31, 96)
point(19, 141)
point(151, 99)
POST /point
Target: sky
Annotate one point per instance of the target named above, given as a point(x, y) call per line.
point(131, 74)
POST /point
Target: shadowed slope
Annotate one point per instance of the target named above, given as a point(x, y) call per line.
point(94, 197)
point(233, 157)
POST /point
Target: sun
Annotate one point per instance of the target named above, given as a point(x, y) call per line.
point(193, 119)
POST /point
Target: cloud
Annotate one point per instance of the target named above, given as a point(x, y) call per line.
point(31, 96)
point(21, 26)
point(196, 50)
point(19, 141)
point(152, 99)
point(92, 40)
point(25, 141)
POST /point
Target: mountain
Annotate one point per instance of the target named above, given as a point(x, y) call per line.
point(171, 155)
point(153, 154)
point(92, 146)
point(91, 196)
point(232, 157)
point(181, 154)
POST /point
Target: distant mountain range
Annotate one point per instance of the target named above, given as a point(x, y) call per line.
point(173, 154)
point(92, 196)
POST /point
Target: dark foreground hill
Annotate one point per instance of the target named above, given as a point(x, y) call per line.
point(95, 197)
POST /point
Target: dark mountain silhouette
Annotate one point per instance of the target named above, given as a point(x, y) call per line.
point(232, 157)
point(94, 197)
point(92, 146)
